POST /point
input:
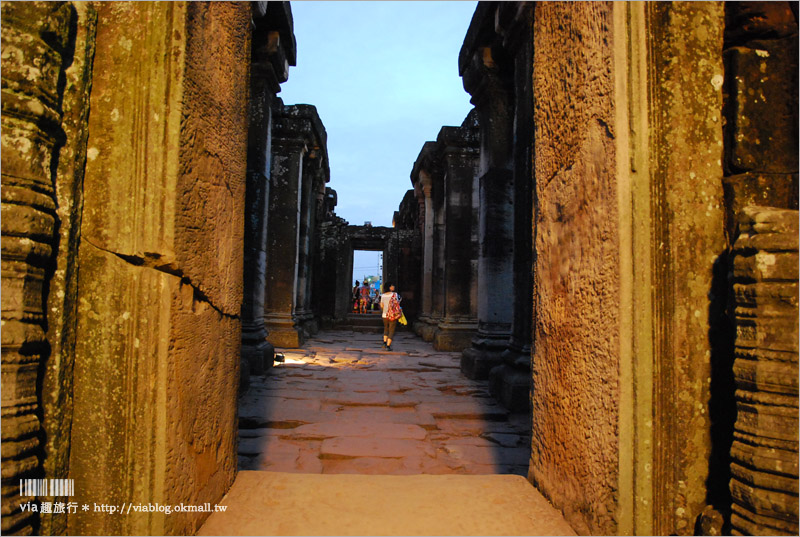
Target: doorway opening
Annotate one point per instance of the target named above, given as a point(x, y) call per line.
point(367, 278)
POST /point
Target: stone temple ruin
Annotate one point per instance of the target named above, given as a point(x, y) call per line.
point(610, 237)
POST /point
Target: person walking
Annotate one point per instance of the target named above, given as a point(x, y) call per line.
point(390, 302)
point(364, 291)
point(355, 296)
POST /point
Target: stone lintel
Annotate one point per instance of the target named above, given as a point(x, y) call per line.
point(276, 17)
point(465, 135)
point(426, 164)
point(480, 32)
point(300, 126)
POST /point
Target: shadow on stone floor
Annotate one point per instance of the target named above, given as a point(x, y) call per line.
point(343, 405)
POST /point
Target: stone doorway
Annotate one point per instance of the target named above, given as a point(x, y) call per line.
point(368, 269)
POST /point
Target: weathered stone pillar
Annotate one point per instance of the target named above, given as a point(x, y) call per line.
point(460, 152)
point(35, 44)
point(298, 147)
point(316, 174)
point(272, 53)
point(437, 174)
point(158, 330)
point(486, 76)
point(303, 312)
point(761, 110)
point(510, 382)
point(764, 456)
point(629, 230)
point(289, 146)
point(423, 185)
point(406, 225)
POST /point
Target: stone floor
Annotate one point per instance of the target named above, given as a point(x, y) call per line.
point(343, 405)
point(272, 503)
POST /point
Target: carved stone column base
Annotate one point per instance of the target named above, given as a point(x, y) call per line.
point(284, 332)
point(478, 360)
point(426, 328)
point(454, 336)
point(307, 323)
point(259, 355)
point(429, 330)
point(511, 386)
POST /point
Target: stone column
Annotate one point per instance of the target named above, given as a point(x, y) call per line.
point(158, 324)
point(289, 148)
point(510, 382)
point(299, 155)
point(422, 180)
point(628, 237)
point(320, 176)
point(439, 245)
point(754, 400)
point(271, 57)
point(460, 147)
point(303, 312)
point(486, 76)
point(764, 452)
point(35, 42)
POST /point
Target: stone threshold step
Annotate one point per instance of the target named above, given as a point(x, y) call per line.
point(274, 503)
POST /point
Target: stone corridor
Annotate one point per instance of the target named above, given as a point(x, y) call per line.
point(342, 405)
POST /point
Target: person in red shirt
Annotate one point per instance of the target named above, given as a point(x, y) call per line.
point(362, 303)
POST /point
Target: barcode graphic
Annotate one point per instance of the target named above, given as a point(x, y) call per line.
point(46, 487)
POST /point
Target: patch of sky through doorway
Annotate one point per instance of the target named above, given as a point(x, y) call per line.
point(384, 79)
point(366, 263)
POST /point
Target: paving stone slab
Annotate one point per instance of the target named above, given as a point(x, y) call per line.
point(385, 448)
point(376, 430)
point(488, 455)
point(270, 405)
point(467, 410)
point(359, 398)
point(278, 418)
point(375, 415)
point(508, 439)
point(366, 466)
point(254, 433)
point(266, 445)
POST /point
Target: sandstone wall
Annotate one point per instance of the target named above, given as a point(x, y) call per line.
point(576, 282)
point(629, 236)
point(37, 47)
point(160, 281)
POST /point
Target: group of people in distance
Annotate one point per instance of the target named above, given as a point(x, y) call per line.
point(389, 302)
point(361, 298)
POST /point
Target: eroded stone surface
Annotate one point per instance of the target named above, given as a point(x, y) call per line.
point(384, 505)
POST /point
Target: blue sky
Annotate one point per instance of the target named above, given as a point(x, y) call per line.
point(384, 79)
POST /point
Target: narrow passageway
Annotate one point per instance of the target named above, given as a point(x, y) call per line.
point(340, 406)
point(343, 405)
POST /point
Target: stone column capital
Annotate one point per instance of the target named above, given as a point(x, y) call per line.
point(484, 77)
